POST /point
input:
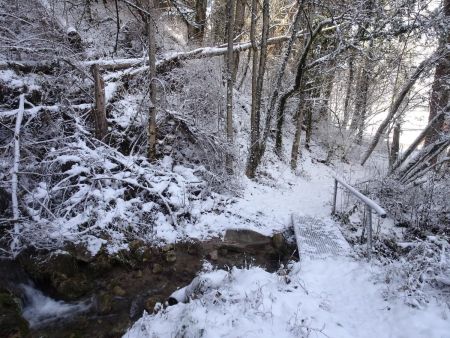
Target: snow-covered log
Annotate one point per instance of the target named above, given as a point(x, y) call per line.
point(184, 294)
point(15, 171)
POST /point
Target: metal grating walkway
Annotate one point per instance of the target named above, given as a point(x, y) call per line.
point(317, 238)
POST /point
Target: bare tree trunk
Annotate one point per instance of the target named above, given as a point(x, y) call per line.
point(257, 87)
point(394, 108)
point(279, 109)
point(99, 111)
point(239, 21)
point(395, 147)
point(151, 31)
point(276, 90)
point(440, 90)
point(230, 35)
point(200, 20)
point(298, 132)
point(311, 107)
point(360, 110)
point(348, 93)
point(326, 93)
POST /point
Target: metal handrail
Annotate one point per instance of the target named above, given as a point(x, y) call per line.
point(370, 205)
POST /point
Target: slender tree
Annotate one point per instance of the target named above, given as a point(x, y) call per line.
point(230, 64)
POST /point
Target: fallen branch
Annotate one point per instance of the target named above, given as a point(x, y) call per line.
point(14, 171)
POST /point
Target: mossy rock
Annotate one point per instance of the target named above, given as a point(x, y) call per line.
point(12, 324)
point(42, 267)
point(71, 287)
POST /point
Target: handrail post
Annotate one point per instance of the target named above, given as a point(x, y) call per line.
point(369, 230)
point(333, 211)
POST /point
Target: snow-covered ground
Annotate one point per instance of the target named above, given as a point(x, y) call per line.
point(266, 206)
point(335, 297)
point(332, 297)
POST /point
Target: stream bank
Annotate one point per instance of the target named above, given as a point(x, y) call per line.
point(102, 296)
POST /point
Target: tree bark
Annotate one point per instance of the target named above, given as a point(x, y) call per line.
point(276, 91)
point(395, 146)
point(297, 82)
point(295, 153)
point(200, 20)
point(440, 90)
point(257, 87)
point(239, 21)
point(99, 111)
point(230, 35)
point(348, 93)
point(151, 31)
point(360, 109)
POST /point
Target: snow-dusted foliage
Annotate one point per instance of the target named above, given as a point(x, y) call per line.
point(75, 188)
point(423, 204)
point(422, 273)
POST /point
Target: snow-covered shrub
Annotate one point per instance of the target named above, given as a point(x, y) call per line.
point(422, 273)
point(423, 204)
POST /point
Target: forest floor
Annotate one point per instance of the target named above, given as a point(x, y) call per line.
point(333, 297)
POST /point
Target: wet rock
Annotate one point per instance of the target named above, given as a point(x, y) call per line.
point(151, 302)
point(247, 241)
point(171, 257)
point(80, 252)
point(280, 244)
point(214, 255)
point(101, 264)
point(104, 303)
point(244, 236)
point(72, 287)
point(156, 268)
point(12, 324)
point(118, 291)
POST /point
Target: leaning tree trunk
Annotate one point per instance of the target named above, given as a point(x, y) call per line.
point(151, 31)
point(396, 105)
point(230, 35)
point(440, 91)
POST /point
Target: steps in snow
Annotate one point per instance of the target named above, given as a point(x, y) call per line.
point(317, 238)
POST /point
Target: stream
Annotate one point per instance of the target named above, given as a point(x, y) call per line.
point(68, 294)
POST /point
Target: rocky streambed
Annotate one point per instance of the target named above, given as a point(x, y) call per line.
point(68, 293)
